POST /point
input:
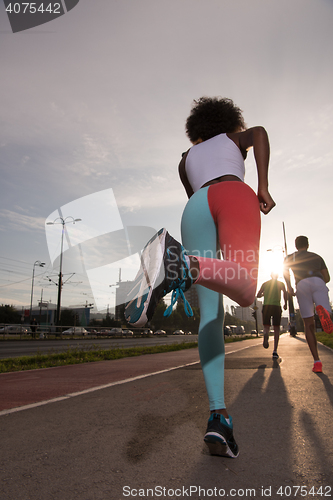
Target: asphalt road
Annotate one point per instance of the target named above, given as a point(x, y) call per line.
point(133, 428)
point(16, 348)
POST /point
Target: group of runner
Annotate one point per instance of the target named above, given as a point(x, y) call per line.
point(311, 275)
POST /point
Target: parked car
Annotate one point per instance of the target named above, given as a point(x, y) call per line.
point(103, 333)
point(127, 333)
point(240, 330)
point(178, 332)
point(79, 330)
point(147, 331)
point(227, 331)
point(160, 332)
point(14, 329)
point(115, 331)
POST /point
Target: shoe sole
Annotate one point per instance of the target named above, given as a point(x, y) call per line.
point(217, 446)
point(146, 280)
point(325, 319)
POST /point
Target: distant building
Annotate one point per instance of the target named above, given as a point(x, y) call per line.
point(192, 297)
point(246, 313)
point(259, 305)
point(243, 313)
point(45, 313)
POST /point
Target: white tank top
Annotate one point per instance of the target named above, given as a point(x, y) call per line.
point(213, 158)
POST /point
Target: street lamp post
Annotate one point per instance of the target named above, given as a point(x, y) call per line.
point(292, 317)
point(40, 264)
point(291, 308)
point(62, 222)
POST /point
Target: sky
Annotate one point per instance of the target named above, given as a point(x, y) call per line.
point(92, 126)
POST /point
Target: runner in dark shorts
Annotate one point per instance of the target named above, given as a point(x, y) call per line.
point(271, 291)
point(270, 311)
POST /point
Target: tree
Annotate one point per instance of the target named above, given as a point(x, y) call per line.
point(108, 321)
point(178, 320)
point(8, 314)
point(68, 317)
point(159, 321)
point(186, 323)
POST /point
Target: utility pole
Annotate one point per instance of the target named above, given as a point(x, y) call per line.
point(60, 279)
point(292, 319)
point(255, 315)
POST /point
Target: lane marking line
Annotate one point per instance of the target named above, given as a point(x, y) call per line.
point(105, 386)
point(92, 389)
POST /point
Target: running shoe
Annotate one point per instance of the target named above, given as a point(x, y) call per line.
point(219, 437)
point(163, 269)
point(325, 319)
point(317, 367)
point(265, 342)
point(275, 355)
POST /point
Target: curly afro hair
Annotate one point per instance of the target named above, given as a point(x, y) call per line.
point(212, 116)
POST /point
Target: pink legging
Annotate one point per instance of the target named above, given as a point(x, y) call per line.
point(235, 210)
point(222, 216)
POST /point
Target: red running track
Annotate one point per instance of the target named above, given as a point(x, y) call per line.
point(22, 388)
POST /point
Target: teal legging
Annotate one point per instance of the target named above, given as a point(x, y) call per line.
point(222, 216)
point(211, 339)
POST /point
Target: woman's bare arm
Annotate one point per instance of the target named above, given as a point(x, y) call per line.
point(257, 138)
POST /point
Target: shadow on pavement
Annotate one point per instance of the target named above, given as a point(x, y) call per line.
point(261, 413)
point(149, 432)
point(327, 384)
point(315, 445)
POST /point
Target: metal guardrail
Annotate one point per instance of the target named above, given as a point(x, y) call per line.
point(7, 330)
point(25, 331)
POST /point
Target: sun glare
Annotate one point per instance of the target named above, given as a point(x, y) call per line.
point(272, 262)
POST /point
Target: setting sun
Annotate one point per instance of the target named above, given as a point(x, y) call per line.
point(271, 261)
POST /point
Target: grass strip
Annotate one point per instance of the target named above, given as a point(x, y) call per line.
point(325, 338)
point(77, 356)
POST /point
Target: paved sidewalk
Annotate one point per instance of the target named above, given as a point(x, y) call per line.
point(143, 438)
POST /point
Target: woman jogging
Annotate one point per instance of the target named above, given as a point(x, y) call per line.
point(222, 216)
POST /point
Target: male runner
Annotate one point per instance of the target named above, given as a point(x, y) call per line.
point(311, 274)
point(271, 291)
